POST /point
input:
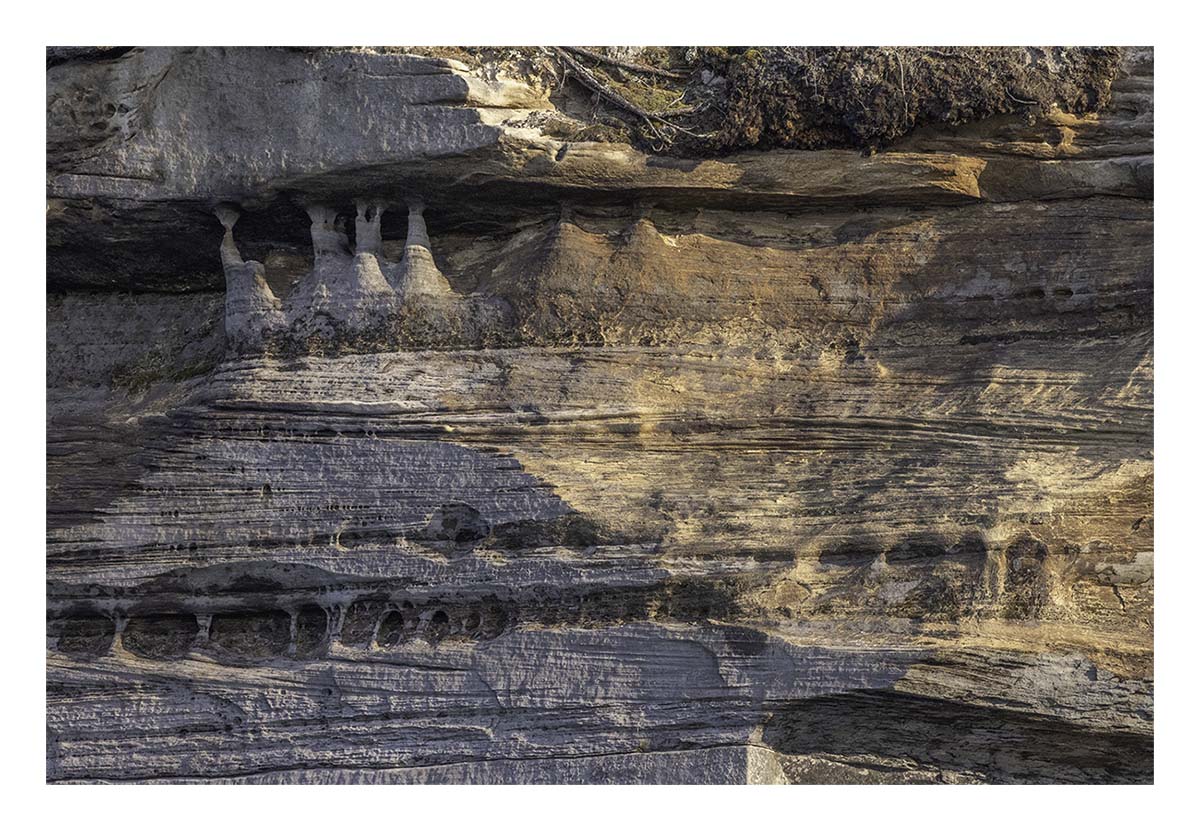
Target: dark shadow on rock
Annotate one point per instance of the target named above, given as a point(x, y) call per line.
point(997, 745)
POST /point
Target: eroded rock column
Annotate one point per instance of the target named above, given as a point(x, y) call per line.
point(252, 312)
point(418, 277)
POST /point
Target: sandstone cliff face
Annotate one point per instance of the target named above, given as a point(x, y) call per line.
point(399, 434)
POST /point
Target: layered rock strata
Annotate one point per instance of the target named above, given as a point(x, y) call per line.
point(544, 460)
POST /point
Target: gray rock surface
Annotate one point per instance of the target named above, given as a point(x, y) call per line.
point(504, 457)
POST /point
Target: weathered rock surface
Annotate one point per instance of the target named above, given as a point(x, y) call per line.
point(395, 438)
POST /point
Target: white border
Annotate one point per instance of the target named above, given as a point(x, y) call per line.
point(31, 28)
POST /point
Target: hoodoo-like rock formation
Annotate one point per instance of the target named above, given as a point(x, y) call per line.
point(690, 415)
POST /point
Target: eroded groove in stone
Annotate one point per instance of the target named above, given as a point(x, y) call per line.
point(162, 636)
point(84, 635)
point(311, 631)
point(251, 634)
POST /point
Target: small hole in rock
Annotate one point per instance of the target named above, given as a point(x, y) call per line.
point(87, 636)
point(252, 634)
point(312, 628)
point(391, 630)
point(358, 627)
point(472, 622)
point(439, 626)
point(160, 635)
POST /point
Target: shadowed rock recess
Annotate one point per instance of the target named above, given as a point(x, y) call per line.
point(423, 415)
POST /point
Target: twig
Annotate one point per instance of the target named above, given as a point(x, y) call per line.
point(1021, 100)
point(677, 99)
point(950, 55)
point(585, 77)
point(632, 67)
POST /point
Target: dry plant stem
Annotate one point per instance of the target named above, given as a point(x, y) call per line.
point(632, 67)
point(590, 81)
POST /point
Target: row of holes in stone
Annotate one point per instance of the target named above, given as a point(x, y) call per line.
point(266, 633)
